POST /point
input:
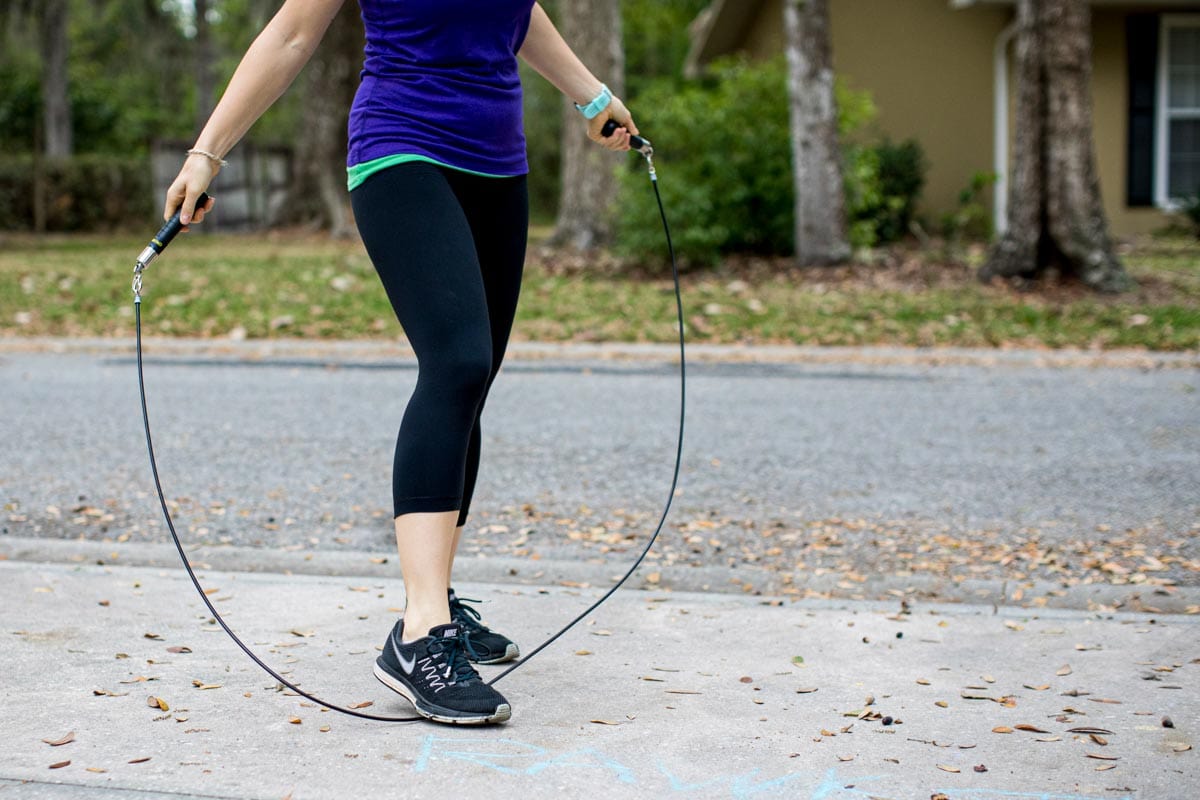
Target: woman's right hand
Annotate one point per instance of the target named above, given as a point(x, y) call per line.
point(193, 179)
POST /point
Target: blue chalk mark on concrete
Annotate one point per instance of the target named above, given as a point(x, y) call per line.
point(482, 758)
point(984, 794)
point(513, 757)
point(740, 786)
point(592, 759)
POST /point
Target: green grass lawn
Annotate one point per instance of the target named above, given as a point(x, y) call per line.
point(301, 285)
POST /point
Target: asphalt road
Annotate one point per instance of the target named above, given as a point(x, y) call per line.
point(851, 470)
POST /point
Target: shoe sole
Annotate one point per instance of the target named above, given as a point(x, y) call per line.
point(510, 653)
point(436, 713)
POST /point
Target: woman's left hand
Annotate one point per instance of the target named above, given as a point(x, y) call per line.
point(617, 112)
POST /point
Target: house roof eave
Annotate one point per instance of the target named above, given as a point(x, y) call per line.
point(717, 31)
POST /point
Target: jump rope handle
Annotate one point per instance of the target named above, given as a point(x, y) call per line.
point(635, 141)
point(166, 233)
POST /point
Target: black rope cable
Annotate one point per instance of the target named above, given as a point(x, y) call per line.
point(137, 305)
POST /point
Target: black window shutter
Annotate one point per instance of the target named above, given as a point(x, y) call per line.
point(1142, 53)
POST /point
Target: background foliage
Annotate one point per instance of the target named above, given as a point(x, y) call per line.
point(131, 82)
point(730, 170)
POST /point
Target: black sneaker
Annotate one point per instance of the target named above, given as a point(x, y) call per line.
point(487, 646)
point(433, 674)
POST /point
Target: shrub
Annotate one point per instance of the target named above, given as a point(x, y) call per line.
point(727, 168)
point(83, 193)
point(971, 218)
point(1191, 209)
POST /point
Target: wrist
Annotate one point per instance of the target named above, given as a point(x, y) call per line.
point(212, 157)
point(598, 104)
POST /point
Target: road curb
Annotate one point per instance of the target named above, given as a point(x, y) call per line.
point(374, 351)
point(742, 580)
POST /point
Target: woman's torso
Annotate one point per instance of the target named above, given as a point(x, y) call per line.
point(440, 81)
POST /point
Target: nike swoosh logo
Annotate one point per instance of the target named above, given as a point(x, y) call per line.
point(406, 664)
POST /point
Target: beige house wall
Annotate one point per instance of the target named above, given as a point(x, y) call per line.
point(929, 69)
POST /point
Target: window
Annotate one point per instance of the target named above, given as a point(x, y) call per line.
point(1178, 152)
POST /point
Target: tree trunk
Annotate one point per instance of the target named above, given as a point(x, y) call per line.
point(816, 158)
point(589, 184)
point(329, 85)
point(56, 102)
point(1056, 218)
point(205, 67)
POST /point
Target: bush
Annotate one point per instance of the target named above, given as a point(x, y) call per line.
point(1191, 209)
point(727, 168)
point(82, 193)
point(971, 218)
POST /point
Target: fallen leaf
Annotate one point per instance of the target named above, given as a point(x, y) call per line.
point(60, 764)
point(1181, 747)
point(948, 768)
point(364, 704)
point(1065, 669)
point(745, 679)
point(1030, 728)
point(151, 636)
point(806, 690)
point(141, 760)
point(179, 649)
point(980, 768)
point(797, 659)
point(845, 758)
point(202, 685)
point(301, 634)
point(1101, 757)
point(604, 722)
point(1088, 729)
point(324, 729)
point(583, 652)
point(922, 682)
point(941, 704)
point(1041, 688)
point(1104, 767)
point(70, 737)
point(96, 769)
point(157, 702)
point(296, 721)
point(1105, 700)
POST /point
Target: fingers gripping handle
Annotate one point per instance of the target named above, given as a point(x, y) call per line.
point(635, 141)
point(166, 233)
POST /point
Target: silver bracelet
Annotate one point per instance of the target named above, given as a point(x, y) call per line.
point(196, 151)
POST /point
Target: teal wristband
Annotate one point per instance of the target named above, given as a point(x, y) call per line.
point(593, 109)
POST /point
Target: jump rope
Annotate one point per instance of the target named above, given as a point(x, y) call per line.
point(160, 242)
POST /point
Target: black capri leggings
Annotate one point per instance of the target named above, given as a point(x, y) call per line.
point(449, 247)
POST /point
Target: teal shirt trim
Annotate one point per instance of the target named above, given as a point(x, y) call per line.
point(358, 173)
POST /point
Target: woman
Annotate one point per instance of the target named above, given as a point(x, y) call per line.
point(437, 177)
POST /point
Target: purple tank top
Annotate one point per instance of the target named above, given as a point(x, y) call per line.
point(440, 80)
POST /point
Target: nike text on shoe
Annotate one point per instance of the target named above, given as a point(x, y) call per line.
point(433, 674)
point(486, 646)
